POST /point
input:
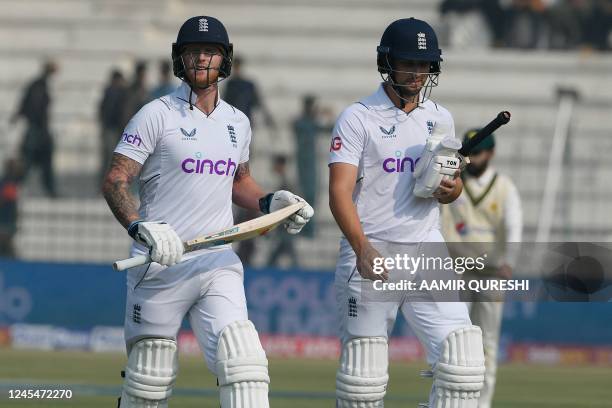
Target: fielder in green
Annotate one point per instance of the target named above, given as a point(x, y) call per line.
point(486, 216)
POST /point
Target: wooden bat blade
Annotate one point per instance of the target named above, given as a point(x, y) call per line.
point(246, 230)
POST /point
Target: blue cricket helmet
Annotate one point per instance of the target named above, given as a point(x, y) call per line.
point(408, 39)
point(202, 29)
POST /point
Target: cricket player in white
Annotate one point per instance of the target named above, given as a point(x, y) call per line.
point(375, 146)
point(190, 151)
point(486, 217)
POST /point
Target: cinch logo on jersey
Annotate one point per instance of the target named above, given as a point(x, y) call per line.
point(399, 163)
point(132, 139)
point(207, 166)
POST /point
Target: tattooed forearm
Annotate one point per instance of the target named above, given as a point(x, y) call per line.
point(121, 174)
point(242, 172)
point(246, 192)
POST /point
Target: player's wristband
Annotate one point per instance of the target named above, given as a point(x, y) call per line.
point(133, 228)
point(264, 203)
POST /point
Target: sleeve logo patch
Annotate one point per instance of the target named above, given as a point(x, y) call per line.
point(336, 144)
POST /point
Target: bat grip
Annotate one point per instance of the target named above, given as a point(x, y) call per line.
point(131, 262)
point(501, 119)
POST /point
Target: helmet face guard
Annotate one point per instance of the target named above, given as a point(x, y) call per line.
point(180, 63)
point(386, 68)
point(409, 40)
point(202, 30)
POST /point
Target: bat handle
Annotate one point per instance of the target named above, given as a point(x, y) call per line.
point(504, 117)
point(501, 119)
point(131, 262)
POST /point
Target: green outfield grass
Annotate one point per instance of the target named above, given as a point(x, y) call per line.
point(94, 380)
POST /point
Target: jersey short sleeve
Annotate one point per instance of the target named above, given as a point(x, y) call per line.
point(244, 154)
point(142, 132)
point(452, 122)
point(348, 137)
point(448, 117)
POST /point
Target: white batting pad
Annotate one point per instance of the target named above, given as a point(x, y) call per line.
point(459, 373)
point(361, 380)
point(150, 374)
point(242, 367)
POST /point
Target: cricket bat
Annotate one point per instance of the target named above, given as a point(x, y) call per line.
point(240, 232)
point(501, 119)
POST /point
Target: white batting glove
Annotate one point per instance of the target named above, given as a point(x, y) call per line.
point(282, 199)
point(166, 248)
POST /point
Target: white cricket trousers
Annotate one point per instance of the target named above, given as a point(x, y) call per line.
point(209, 289)
point(430, 321)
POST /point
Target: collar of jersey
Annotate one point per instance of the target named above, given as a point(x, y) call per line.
point(485, 178)
point(383, 102)
point(184, 90)
point(487, 188)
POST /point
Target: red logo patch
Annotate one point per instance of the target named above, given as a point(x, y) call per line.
point(336, 144)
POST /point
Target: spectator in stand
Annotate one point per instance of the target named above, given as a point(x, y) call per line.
point(306, 128)
point(463, 20)
point(37, 143)
point(138, 94)
point(9, 193)
point(600, 26)
point(284, 244)
point(243, 94)
point(567, 22)
point(166, 84)
point(495, 17)
point(581, 24)
point(527, 24)
point(110, 114)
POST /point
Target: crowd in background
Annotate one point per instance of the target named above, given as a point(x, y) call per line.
point(521, 24)
point(529, 24)
point(311, 123)
point(36, 149)
point(121, 99)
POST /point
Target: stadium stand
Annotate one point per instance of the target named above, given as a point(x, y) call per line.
point(322, 47)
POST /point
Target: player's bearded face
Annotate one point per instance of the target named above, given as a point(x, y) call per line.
point(410, 76)
point(479, 163)
point(202, 63)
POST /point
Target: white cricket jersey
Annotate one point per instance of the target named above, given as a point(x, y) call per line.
point(189, 161)
point(488, 210)
point(385, 143)
point(512, 210)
